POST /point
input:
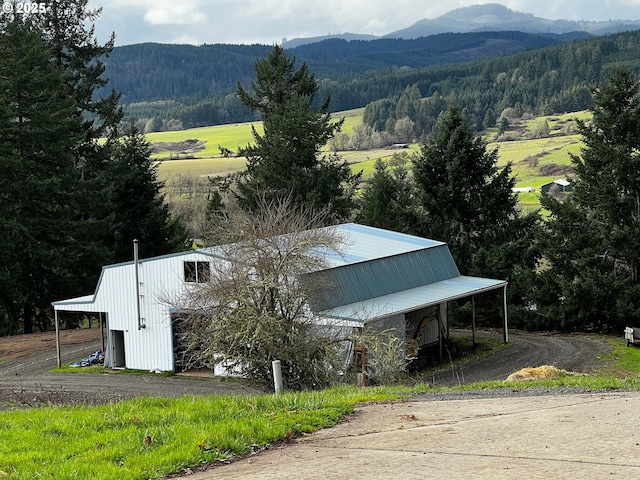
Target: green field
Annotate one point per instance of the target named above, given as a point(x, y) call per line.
point(229, 136)
point(535, 161)
point(175, 158)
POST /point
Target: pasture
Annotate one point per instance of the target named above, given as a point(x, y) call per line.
point(176, 154)
point(535, 161)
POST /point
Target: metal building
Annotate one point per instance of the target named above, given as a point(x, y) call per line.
point(559, 186)
point(384, 279)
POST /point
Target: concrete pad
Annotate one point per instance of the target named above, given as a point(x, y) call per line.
point(561, 437)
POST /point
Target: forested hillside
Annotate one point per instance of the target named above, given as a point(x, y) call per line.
point(152, 71)
point(174, 87)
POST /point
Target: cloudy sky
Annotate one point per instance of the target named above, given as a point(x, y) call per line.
point(269, 21)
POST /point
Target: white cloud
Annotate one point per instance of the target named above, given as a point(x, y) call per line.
point(174, 13)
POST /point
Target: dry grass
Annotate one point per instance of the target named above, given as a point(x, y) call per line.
point(538, 373)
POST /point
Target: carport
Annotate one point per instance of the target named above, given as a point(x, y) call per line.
point(438, 293)
point(404, 291)
point(77, 305)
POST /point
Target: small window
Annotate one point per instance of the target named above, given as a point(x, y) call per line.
point(203, 272)
point(197, 272)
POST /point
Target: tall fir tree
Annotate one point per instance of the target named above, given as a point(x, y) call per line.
point(37, 128)
point(464, 199)
point(592, 240)
point(462, 194)
point(139, 210)
point(66, 193)
point(286, 160)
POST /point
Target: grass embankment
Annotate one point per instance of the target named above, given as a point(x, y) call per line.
point(151, 437)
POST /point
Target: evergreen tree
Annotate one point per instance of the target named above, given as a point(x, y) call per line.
point(138, 207)
point(68, 29)
point(592, 241)
point(489, 119)
point(463, 196)
point(42, 214)
point(286, 161)
point(64, 213)
point(466, 201)
point(388, 199)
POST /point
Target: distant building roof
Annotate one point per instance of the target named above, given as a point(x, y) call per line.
point(523, 189)
point(560, 184)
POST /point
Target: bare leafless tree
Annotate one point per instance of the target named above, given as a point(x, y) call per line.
point(255, 308)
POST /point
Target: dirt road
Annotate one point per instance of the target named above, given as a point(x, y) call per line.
point(575, 353)
point(27, 380)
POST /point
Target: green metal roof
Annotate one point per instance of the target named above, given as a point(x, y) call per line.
point(413, 299)
point(389, 273)
point(382, 276)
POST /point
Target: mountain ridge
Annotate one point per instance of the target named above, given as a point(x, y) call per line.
point(154, 71)
point(483, 18)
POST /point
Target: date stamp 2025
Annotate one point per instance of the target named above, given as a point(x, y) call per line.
point(22, 8)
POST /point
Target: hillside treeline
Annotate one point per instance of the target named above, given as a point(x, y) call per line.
point(553, 79)
point(152, 71)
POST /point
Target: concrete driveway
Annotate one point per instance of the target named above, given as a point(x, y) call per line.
point(573, 436)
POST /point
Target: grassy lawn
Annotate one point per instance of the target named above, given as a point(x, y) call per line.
point(151, 437)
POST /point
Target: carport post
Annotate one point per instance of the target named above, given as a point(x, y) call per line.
point(473, 321)
point(506, 327)
point(101, 330)
point(57, 338)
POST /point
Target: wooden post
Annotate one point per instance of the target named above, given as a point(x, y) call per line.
point(440, 335)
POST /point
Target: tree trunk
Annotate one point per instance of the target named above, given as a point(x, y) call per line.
point(27, 319)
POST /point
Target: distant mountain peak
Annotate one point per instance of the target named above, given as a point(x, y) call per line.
point(496, 11)
point(497, 17)
point(485, 17)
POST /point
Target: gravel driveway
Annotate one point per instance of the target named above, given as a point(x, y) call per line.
point(28, 381)
point(575, 353)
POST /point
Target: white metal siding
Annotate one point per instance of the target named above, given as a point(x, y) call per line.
point(161, 286)
point(151, 348)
